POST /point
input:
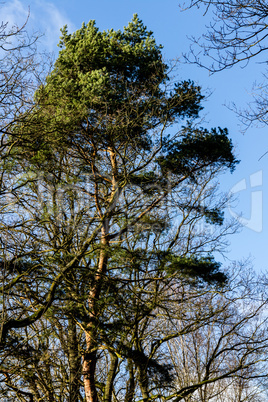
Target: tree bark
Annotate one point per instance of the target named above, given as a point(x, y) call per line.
point(74, 361)
point(90, 356)
point(110, 378)
point(89, 366)
point(143, 382)
point(131, 383)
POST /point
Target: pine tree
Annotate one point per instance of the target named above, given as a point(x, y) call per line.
point(105, 222)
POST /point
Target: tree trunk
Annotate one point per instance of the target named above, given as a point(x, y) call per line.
point(89, 366)
point(90, 356)
point(131, 383)
point(74, 361)
point(143, 382)
point(110, 378)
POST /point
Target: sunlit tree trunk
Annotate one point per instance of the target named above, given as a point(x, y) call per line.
point(90, 355)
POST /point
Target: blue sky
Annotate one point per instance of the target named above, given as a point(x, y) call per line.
point(172, 28)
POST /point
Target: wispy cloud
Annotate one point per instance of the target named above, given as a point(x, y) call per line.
point(15, 13)
point(50, 20)
point(44, 17)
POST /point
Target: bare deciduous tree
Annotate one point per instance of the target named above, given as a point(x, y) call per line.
point(109, 228)
point(236, 34)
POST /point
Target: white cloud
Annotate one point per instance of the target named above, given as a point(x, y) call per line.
point(50, 19)
point(14, 13)
point(45, 18)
